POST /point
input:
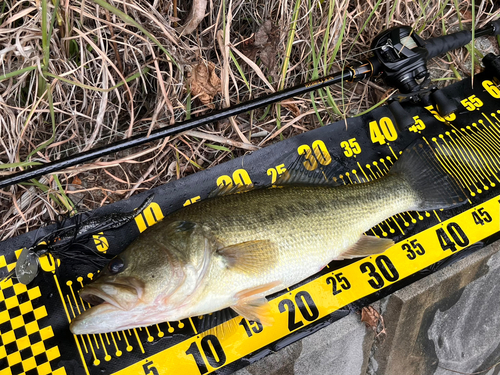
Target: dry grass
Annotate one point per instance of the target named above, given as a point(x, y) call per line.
point(77, 74)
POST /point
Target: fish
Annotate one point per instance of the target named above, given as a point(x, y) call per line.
point(234, 249)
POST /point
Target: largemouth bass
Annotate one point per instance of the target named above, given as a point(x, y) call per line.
point(235, 249)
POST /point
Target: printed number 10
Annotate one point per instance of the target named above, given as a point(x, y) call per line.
point(213, 351)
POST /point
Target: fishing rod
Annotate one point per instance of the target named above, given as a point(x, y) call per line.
point(400, 56)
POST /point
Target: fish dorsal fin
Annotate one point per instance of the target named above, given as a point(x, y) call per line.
point(181, 235)
point(366, 246)
point(180, 227)
point(253, 305)
point(298, 175)
point(230, 189)
point(251, 256)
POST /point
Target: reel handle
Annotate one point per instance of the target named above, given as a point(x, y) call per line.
point(441, 45)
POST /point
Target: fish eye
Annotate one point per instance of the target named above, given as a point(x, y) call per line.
point(116, 265)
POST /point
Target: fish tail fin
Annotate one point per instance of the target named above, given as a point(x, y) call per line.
point(434, 187)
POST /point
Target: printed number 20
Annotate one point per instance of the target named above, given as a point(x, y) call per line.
point(306, 306)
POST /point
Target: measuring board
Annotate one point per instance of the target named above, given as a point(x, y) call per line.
point(34, 319)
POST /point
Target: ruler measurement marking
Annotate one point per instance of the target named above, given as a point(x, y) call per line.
point(488, 151)
point(452, 166)
point(468, 138)
point(139, 341)
point(488, 129)
point(466, 168)
point(363, 171)
point(442, 160)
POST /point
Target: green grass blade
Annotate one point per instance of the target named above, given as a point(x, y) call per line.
point(242, 74)
point(17, 73)
point(217, 147)
point(20, 164)
point(67, 203)
point(87, 87)
point(289, 44)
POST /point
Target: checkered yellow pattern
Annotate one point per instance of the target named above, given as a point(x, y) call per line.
point(23, 341)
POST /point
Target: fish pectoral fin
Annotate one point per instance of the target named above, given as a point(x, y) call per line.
point(366, 246)
point(253, 305)
point(251, 256)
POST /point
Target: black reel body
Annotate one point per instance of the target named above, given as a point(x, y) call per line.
point(401, 57)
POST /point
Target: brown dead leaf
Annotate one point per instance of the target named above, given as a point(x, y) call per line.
point(204, 83)
point(249, 49)
point(76, 181)
point(372, 318)
point(267, 38)
point(292, 107)
point(263, 44)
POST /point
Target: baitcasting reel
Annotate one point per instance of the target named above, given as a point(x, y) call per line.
point(400, 57)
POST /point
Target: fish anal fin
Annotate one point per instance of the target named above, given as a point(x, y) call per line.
point(253, 305)
point(219, 323)
point(251, 256)
point(366, 246)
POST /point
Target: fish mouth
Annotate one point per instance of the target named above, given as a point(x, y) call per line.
point(122, 295)
point(92, 299)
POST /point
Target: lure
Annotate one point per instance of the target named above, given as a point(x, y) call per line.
point(58, 242)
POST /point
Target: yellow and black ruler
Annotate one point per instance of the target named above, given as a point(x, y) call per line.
point(34, 319)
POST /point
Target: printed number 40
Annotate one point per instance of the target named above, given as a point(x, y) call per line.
point(382, 131)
